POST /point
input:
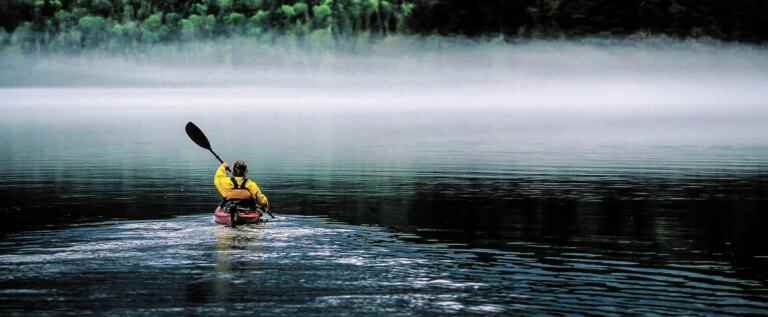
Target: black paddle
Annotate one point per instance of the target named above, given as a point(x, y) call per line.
point(200, 139)
point(267, 210)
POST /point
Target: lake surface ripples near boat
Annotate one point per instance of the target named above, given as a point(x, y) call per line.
point(310, 265)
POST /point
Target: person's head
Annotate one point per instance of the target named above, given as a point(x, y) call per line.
point(239, 168)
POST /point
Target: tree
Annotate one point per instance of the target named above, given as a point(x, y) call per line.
point(129, 13)
point(173, 24)
point(190, 27)
point(257, 23)
point(154, 31)
point(322, 14)
point(200, 9)
point(374, 7)
point(101, 7)
point(385, 12)
point(406, 9)
point(125, 34)
point(92, 29)
point(196, 26)
point(208, 25)
point(287, 11)
point(234, 22)
point(3, 36)
point(369, 7)
point(301, 9)
point(251, 4)
point(225, 5)
point(356, 16)
point(69, 40)
point(64, 20)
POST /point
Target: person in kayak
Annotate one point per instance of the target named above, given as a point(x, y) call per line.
point(237, 190)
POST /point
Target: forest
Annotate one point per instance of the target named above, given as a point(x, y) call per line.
point(74, 25)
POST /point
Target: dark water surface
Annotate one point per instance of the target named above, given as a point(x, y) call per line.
point(380, 212)
point(309, 265)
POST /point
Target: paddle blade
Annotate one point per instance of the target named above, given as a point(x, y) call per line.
point(197, 136)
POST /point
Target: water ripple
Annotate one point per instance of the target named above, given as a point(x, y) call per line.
point(306, 265)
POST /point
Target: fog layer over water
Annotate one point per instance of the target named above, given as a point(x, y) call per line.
point(686, 87)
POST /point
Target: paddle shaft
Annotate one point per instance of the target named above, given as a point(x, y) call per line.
point(267, 210)
point(219, 158)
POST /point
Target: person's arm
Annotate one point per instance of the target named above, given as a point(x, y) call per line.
point(221, 178)
point(260, 198)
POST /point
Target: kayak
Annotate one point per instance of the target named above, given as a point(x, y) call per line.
point(221, 216)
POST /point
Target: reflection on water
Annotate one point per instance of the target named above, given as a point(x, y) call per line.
point(316, 266)
point(382, 213)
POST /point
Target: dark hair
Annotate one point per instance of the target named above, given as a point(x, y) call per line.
point(239, 168)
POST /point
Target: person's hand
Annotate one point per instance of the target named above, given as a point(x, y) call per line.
point(226, 166)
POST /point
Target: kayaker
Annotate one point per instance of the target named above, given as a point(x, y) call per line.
point(238, 189)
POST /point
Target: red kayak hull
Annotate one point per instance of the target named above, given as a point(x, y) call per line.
point(243, 217)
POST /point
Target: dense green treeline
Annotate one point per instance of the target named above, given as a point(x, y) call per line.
point(73, 25)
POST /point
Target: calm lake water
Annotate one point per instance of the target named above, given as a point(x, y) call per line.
point(107, 207)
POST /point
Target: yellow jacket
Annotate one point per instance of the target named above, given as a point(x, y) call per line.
point(224, 184)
